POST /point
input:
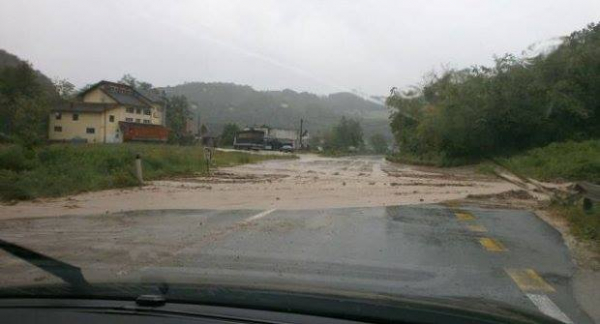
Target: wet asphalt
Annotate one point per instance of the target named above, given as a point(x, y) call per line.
point(406, 250)
point(424, 250)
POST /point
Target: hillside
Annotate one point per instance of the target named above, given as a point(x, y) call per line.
point(9, 60)
point(221, 103)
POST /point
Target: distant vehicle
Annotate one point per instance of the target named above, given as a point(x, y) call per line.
point(286, 148)
point(249, 139)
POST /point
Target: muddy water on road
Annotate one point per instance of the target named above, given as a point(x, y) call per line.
point(308, 182)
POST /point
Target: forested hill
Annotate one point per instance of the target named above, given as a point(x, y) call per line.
point(9, 60)
point(221, 103)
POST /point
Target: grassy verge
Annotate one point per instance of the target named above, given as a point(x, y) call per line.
point(63, 169)
point(567, 161)
point(584, 225)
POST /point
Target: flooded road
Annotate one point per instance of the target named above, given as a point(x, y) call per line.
point(462, 252)
point(353, 224)
point(306, 183)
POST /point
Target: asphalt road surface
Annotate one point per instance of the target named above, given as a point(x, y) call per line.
point(509, 256)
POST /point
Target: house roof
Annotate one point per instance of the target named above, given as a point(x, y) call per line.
point(83, 107)
point(121, 93)
point(150, 95)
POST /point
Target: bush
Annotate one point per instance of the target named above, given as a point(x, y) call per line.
point(16, 158)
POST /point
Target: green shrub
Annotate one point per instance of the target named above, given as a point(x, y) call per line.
point(16, 158)
point(10, 187)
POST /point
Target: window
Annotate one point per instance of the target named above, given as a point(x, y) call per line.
point(129, 110)
point(146, 121)
point(58, 129)
point(137, 120)
point(75, 116)
point(111, 118)
point(129, 120)
point(138, 111)
point(58, 116)
point(90, 130)
point(147, 111)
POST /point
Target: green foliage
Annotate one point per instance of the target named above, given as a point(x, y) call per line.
point(20, 91)
point(178, 113)
point(30, 120)
point(584, 225)
point(133, 82)
point(559, 161)
point(63, 169)
point(515, 105)
point(228, 134)
point(379, 143)
point(346, 134)
point(15, 158)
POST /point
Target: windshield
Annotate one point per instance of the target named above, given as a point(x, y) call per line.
point(443, 150)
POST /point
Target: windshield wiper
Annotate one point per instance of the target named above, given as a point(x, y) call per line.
point(70, 274)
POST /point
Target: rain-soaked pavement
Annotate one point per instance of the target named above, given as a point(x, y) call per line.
point(509, 256)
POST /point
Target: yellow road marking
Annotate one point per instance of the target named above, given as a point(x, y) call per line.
point(464, 216)
point(477, 228)
point(528, 280)
point(492, 245)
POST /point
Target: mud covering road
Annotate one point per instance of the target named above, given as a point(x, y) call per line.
point(306, 183)
point(471, 254)
point(356, 223)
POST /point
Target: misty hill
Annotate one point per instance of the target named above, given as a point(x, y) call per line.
point(10, 60)
point(221, 103)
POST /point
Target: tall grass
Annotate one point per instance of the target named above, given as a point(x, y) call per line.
point(584, 225)
point(567, 161)
point(63, 169)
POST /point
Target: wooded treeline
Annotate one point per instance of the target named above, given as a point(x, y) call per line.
point(517, 104)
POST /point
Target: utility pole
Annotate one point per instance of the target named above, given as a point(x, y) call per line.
point(301, 124)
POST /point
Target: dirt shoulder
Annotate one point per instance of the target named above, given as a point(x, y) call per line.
point(305, 183)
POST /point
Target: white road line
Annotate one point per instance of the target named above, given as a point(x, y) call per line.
point(546, 306)
point(258, 216)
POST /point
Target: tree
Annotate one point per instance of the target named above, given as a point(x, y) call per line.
point(516, 104)
point(379, 143)
point(178, 113)
point(135, 83)
point(30, 121)
point(64, 88)
point(347, 133)
point(228, 134)
point(23, 105)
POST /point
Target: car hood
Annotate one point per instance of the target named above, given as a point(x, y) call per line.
point(344, 304)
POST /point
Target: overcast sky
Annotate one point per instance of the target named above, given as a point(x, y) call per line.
point(317, 46)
